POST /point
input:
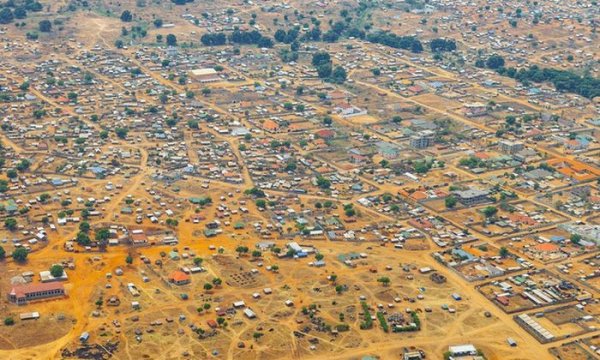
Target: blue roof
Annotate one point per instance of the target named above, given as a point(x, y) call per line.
point(97, 169)
point(463, 254)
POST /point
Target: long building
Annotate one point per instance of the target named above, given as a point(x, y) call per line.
point(21, 294)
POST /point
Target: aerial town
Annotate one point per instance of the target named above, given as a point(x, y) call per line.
point(300, 179)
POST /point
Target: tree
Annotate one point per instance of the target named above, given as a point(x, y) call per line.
point(23, 165)
point(9, 321)
point(324, 70)
point(450, 202)
point(421, 167)
point(119, 44)
point(198, 261)
point(575, 239)
point(256, 254)
point(102, 234)
point(208, 286)
point(213, 39)
point(504, 252)
point(20, 255)
point(320, 58)
point(158, 23)
point(84, 226)
point(10, 224)
point(126, 16)
point(339, 75)
point(490, 211)
point(20, 13)
point(241, 249)
point(323, 183)
point(257, 335)
point(495, 62)
point(217, 282)
point(171, 40)
point(45, 26)
point(6, 16)
point(56, 271)
point(384, 280)
point(83, 239)
point(2, 253)
point(129, 259)
point(121, 132)
point(319, 256)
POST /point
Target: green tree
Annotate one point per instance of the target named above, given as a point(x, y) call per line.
point(171, 40)
point(84, 226)
point(6, 16)
point(121, 132)
point(102, 234)
point(384, 280)
point(20, 255)
point(10, 224)
point(450, 202)
point(56, 271)
point(323, 183)
point(126, 16)
point(490, 211)
point(45, 26)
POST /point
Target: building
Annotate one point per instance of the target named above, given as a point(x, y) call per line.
point(179, 278)
point(387, 150)
point(474, 109)
point(462, 350)
point(471, 196)
point(422, 139)
point(511, 147)
point(249, 313)
point(22, 294)
point(206, 75)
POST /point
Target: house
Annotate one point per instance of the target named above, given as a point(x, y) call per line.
point(511, 147)
point(21, 294)
point(474, 109)
point(206, 75)
point(212, 324)
point(387, 150)
point(179, 278)
point(325, 133)
point(249, 313)
point(422, 139)
point(462, 350)
point(471, 196)
point(270, 126)
point(347, 110)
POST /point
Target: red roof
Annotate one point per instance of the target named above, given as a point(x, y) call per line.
point(325, 133)
point(179, 276)
point(22, 290)
point(547, 247)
